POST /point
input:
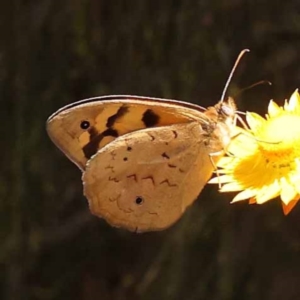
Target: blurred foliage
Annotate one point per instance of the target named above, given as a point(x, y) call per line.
point(55, 52)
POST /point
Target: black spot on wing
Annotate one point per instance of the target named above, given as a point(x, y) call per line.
point(85, 124)
point(150, 118)
point(96, 137)
point(120, 113)
point(139, 200)
point(92, 146)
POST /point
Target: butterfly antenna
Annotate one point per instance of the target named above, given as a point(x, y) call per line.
point(253, 85)
point(232, 72)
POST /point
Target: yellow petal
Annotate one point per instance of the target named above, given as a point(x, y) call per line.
point(221, 179)
point(246, 194)
point(254, 120)
point(225, 161)
point(296, 185)
point(243, 145)
point(223, 171)
point(231, 187)
point(288, 192)
point(294, 102)
point(286, 105)
point(294, 179)
point(274, 109)
point(268, 193)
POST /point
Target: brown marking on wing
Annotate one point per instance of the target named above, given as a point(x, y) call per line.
point(152, 137)
point(92, 146)
point(172, 166)
point(127, 210)
point(150, 118)
point(96, 137)
point(175, 134)
point(114, 199)
point(168, 183)
point(113, 179)
point(113, 155)
point(132, 176)
point(110, 168)
point(165, 155)
point(119, 114)
point(93, 133)
point(149, 177)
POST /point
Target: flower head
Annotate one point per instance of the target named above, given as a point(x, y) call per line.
point(265, 159)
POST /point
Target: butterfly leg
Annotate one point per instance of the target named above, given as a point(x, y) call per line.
point(237, 117)
point(216, 170)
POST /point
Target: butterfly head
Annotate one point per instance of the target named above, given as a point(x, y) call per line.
point(222, 118)
point(226, 111)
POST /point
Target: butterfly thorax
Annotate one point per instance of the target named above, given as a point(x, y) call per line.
point(221, 122)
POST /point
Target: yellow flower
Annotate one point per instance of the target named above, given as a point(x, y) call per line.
point(265, 159)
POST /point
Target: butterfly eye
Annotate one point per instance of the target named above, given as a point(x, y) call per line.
point(227, 111)
point(85, 124)
point(139, 200)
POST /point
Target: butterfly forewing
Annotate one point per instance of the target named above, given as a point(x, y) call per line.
point(81, 129)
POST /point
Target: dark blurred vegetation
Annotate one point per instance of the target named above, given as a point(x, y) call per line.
point(55, 52)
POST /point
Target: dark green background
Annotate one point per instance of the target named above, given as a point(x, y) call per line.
point(55, 52)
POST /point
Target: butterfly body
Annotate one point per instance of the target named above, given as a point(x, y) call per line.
point(144, 160)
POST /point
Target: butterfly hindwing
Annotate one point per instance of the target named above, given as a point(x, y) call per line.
point(144, 180)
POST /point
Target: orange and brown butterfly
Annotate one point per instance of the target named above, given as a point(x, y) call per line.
point(144, 160)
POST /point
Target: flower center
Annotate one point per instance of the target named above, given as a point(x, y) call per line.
point(281, 140)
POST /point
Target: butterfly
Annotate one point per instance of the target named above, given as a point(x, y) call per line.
point(143, 160)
